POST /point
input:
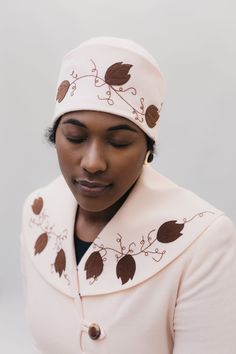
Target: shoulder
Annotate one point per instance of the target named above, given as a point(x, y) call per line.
point(214, 251)
point(220, 236)
point(175, 197)
point(181, 203)
point(206, 295)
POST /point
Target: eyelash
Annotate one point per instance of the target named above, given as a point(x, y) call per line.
point(120, 146)
point(75, 141)
point(80, 141)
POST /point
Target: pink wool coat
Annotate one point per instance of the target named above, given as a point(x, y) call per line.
point(160, 278)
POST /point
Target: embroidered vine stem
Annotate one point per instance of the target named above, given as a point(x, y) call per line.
point(44, 226)
point(200, 215)
point(102, 248)
point(143, 249)
point(109, 94)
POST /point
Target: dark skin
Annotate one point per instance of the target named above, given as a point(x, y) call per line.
point(101, 157)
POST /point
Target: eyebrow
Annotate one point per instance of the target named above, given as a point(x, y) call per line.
point(74, 122)
point(111, 129)
point(122, 127)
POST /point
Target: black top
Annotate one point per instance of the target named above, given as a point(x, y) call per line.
point(80, 248)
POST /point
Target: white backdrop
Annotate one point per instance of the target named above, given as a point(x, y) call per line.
point(194, 43)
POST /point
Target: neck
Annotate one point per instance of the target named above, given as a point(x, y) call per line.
point(89, 224)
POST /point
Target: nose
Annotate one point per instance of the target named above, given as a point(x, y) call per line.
point(93, 160)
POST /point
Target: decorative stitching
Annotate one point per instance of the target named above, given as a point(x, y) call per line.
point(168, 232)
point(41, 221)
point(116, 75)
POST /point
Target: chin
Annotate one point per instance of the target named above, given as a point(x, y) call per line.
point(93, 200)
point(93, 204)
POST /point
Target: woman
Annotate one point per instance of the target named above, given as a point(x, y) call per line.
point(117, 258)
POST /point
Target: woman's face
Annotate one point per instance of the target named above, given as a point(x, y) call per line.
point(100, 155)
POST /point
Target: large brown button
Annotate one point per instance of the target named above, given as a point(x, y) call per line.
point(94, 331)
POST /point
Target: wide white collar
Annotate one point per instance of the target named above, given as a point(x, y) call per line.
point(157, 222)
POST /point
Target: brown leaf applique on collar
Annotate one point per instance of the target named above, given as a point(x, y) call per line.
point(94, 265)
point(41, 221)
point(115, 77)
point(126, 268)
point(37, 206)
point(60, 262)
point(168, 232)
point(41, 243)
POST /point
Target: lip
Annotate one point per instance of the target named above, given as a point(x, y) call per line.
point(91, 188)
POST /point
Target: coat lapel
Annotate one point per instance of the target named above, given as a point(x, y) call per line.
point(49, 216)
point(157, 222)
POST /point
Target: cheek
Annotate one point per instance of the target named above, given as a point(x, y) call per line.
point(128, 166)
point(65, 157)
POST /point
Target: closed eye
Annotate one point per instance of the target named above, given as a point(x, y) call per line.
point(75, 140)
point(120, 145)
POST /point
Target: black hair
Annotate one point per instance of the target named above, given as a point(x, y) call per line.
point(50, 135)
point(50, 132)
point(150, 147)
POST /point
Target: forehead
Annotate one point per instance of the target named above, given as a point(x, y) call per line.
point(95, 118)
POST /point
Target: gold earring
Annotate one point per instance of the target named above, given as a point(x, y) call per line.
point(148, 158)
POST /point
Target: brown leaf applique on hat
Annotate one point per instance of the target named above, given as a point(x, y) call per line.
point(152, 115)
point(117, 74)
point(125, 268)
point(37, 205)
point(169, 231)
point(62, 90)
point(93, 265)
point(60, 262)
point(40, 243)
